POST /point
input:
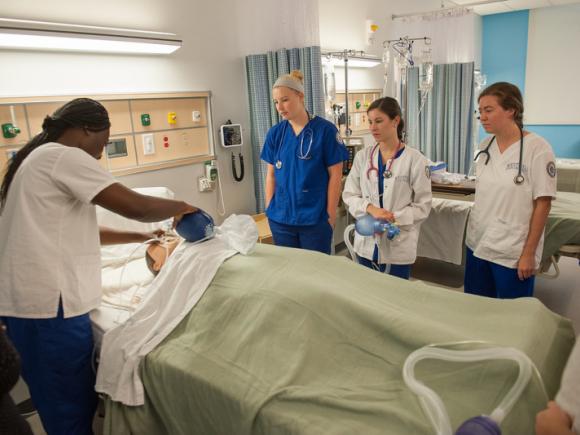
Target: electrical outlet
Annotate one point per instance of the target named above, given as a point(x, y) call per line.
point(148, 144)
point(205, 185)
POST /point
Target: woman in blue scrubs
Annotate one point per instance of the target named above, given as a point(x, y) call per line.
point(304, 155)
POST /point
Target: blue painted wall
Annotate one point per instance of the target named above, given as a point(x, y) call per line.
point(504, 51)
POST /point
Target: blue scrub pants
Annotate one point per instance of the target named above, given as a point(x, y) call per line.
point(56, 365)
point(399, 270)
point(485, 278)
point(313, 237)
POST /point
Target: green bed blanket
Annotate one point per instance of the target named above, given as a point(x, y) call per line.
point(286, 341)
point(563, 225)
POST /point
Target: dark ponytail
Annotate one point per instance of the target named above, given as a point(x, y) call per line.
point(390, 107)
point(78, 113)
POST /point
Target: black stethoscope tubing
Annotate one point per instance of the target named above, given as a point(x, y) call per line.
point(301, 156)
point(518, 179)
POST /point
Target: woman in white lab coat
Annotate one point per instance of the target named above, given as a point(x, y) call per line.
point(515, 184)
point(390, 181)
point(50, 265)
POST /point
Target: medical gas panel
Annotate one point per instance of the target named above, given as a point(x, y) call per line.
point(148, 131)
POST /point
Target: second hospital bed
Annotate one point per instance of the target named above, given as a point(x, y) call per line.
point(442, 235)
point(286, 341)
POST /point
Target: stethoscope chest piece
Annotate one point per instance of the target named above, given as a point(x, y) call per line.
point(387, 173)
point(519, 179)
point(278, 164)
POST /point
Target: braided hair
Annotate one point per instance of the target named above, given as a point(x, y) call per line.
point(77, 113)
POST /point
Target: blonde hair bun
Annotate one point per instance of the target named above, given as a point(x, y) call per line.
point(297, 74)
point(294, 80)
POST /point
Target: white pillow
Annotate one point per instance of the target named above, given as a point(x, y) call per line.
point(113, 220)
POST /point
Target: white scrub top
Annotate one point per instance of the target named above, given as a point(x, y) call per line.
point(499, 221)
point(49, 236)
point(407, 194)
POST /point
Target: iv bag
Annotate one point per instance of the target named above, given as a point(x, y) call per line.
point(329, 82)
point(426, 71)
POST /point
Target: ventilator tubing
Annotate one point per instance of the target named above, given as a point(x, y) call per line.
point(349, 229)
point(432, 404)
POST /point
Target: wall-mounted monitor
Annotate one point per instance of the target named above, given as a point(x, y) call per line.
point(116, 148)
point(231, 135)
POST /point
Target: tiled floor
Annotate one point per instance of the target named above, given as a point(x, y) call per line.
point(561, 295)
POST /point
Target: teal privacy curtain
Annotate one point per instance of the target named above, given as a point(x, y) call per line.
point(443, 129)
point(262, 71)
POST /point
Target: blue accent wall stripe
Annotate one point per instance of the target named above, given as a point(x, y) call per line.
point(504, 55)
point(505, 47)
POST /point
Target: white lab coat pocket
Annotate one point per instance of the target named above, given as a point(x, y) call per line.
point(503, 242)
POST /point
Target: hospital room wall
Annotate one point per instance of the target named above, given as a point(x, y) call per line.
point(343, 26)
point(504, 56)
point(217, 36)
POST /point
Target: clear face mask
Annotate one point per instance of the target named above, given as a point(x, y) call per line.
point(433, 405)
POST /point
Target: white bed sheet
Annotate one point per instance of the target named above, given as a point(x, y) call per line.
point(442, 235)
point(124, 284)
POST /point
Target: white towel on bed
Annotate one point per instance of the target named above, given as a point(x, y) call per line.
point(175, 291)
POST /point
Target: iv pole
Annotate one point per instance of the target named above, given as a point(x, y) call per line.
point(344, 55)
point(404, 48)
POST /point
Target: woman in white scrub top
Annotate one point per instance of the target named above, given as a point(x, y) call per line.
point(390, 181)
point(50, 265)
point(515, 185)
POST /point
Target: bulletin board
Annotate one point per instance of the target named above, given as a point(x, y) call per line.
point(358, 103)
point(148, 131)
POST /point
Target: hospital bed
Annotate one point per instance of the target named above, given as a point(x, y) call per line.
point(287, 341)
point(442, 235)
point(568, 175)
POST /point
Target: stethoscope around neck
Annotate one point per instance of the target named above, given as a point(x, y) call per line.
point(518, 179)
point(372, 168)
point(306, 131)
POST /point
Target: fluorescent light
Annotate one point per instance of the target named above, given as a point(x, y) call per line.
point(355, 62)
point(38, 35)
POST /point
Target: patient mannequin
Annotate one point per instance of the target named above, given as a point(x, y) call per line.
point(158, 253)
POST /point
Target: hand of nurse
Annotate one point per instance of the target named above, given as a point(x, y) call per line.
point(380, 213)
point(526, 266)
point(157, 234)
point(188, 209)
point(332, 220)
point(553, 421)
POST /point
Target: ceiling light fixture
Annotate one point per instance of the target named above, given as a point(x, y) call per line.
point(39, 35)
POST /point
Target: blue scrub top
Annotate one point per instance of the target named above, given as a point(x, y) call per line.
point(302, 180)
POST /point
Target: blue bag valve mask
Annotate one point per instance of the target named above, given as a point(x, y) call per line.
point(369, 226)
point(196, 227)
